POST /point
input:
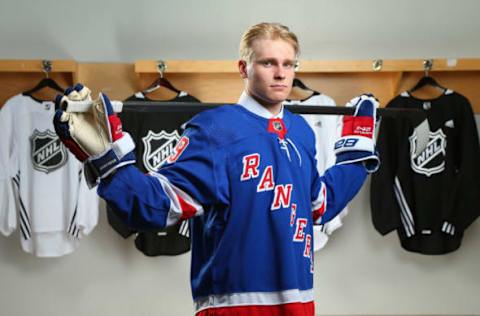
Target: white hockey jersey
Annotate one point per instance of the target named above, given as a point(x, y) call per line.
point(324, 127)
point(42, 187)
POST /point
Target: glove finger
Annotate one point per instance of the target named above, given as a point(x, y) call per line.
point(58, 102)
point(65, 117)
point(61, 126)
point(84, 92)
point(63, 130)
point(68, 91)
point(107, 105)
point(77, 87)
point(113, 121)
point(365, 108)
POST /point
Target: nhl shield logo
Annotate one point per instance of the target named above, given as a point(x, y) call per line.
point(429, 158)
point(277, 126)
point(47, 151)
point(157, 148)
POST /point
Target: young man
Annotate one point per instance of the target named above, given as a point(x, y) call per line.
point(244, 175)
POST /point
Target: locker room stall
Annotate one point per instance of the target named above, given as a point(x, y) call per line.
point(358, 273)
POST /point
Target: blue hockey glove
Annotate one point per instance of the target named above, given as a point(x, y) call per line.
point(92, 131)
point(357, 139)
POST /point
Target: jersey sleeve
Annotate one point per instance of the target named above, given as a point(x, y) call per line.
point(8, 213)
point(384, 207)
point(333, 190)
point(466, 189)
point(87, 208)
point(179, 190)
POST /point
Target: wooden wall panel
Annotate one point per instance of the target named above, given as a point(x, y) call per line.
point(12, 83)
point(119, 80)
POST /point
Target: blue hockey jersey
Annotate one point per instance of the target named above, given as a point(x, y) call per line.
point(251, 189)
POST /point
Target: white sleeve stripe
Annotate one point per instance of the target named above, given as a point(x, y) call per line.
point(405, 214)
point(320, 202)
point(175, 194)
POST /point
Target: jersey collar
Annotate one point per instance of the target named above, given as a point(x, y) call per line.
point(253, 106)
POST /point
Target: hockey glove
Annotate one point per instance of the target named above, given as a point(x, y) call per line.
point(92, 131)
point(357, 139)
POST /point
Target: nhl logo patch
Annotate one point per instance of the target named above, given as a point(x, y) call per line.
point(427, 152)
point(157, 148)
point(47, 151)
point(277, 126)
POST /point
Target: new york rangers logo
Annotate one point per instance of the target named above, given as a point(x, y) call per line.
point(427, 152)
point(47, 152)
point(157, 148)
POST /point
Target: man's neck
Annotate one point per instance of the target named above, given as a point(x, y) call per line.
point(272, 108)
point(251, 104)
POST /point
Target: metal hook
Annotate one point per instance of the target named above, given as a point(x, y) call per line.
point(296, 65)
point(377, 64)
point(427, 66)
point(46, 67)
point(161, 67)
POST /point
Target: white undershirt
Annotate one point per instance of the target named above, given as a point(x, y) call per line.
point(253, 106)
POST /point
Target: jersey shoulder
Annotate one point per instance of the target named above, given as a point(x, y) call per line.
point(225, 124)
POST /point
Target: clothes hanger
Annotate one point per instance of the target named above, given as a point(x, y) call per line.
point(302, 93)
point(426, 80)
point(161, 81)
point(299, 84)
point(45, 82)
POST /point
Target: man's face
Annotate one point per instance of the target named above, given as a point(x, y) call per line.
point(269, 76)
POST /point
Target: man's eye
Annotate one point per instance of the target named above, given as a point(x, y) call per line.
point(288, 65)
point(267, 63)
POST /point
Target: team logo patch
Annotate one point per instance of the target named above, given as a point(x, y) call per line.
point(427, 151)
point(47, 151)
point(157, 148)
point(277, 126)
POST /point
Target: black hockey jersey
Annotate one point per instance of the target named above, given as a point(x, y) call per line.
point(427, 187)
point(155, 135)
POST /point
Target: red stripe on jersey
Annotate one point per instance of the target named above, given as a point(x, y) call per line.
point(318, 212)
point(188, 210)
point(292, 309)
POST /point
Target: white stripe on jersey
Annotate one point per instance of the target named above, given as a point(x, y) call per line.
point(175, 194)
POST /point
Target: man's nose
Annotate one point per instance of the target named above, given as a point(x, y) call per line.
point(279, 72)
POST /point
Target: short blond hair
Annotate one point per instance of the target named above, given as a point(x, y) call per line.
point(265, 30)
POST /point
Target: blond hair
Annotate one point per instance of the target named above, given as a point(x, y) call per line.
point(265, 30)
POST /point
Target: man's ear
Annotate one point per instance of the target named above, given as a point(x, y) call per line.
point(242, 68)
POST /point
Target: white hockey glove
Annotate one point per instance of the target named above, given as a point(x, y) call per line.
point(357, 139)
point(92, 131)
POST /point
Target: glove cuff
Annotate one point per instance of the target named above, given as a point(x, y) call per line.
point(370, 159)
point(351, 149)
point(118, 154)
point(354, 143)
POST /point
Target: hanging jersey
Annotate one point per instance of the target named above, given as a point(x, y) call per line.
point(41, 183)
point(252, 190)
point(324, 128)
point(427, 187)
point(155, 135)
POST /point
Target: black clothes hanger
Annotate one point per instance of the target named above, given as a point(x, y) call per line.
point(302, 96)
point(299, 84)
point(426, 80)
point(45, 82)
point(161, 81)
